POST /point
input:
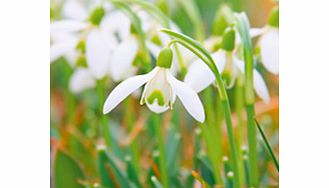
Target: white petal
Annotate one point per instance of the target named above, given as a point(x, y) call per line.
point(259, 83)
point(117, 22)
point(188, 97)
point(154, 107)
point(239, 64)
point(124, 89)
point(123, 57)
point(153, 48)
point(220, 59)
point(255, 32)
point(98, 52)
point(81, 80)
point(66, 26)
point(58, 50)
point(269, 44)
point(74, 10)
point(199, 76)
point(260, 87)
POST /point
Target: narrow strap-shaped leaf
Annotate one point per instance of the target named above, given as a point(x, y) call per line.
point(192, 10)
point(110, 164)
point(67, 173)
point(267, 145)
point(132, 174)
point(153, 10)
point(156, 182)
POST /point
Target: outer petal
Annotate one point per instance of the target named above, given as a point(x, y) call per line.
point(255, 32)
point(98, 52)
point(123, 57)
point(74, 10)
point(189, 98)
point(66, 26)
point(81, 80)
point(117, 22)
point(260, 87)
point(124, 89)
point(58, 50)
point(153, 48)
point(199, 76)
point(259, 83)
point(269, 44)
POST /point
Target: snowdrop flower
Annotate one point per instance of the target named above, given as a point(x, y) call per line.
point(128, 51)
point(199, 76)
point(97, 42)
point(160, 90)
point(269, 43)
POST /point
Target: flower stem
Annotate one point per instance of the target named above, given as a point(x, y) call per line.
point(205, 56)
point(163, 166)
point(244, 29)
point(252, 140)
point(103, 118)
point(267, 144)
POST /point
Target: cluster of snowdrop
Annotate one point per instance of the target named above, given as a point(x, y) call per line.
point(102, 42)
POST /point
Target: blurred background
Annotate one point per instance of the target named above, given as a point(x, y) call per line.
point(77, 134)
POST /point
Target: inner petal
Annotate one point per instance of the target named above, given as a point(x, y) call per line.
point(158, 93)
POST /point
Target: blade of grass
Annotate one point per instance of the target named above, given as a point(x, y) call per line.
point(267, 145)
point(156, 182)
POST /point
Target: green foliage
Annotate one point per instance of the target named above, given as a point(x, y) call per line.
point(67, 172)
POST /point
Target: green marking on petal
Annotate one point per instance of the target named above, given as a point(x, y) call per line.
point(81, 46)
point(156, 94)
point(81, 61)
point(156, 40)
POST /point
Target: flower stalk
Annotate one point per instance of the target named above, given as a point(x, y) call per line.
point(202, 53)
point(162, 159)
point(243, 28)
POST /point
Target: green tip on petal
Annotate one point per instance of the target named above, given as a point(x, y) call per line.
point(165, 58)
point(81, 61)
point(156, 94)
point(96, 15)
point(274, 17)
point(228, 42)
point(81, 46)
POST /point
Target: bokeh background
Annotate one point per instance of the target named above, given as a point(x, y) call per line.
point(76, 133)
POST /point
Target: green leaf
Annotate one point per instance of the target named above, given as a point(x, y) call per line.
point(113, 169)
point(67, 172)
point(156, 182)
point(267, 145)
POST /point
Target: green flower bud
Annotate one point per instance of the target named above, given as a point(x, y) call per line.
point(223, 18)
point(165, 58)
point(228, 42)
point(274, 18)
point(96, 15)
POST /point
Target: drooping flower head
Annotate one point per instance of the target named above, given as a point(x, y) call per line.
point(160, 90)
point(199, 76)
